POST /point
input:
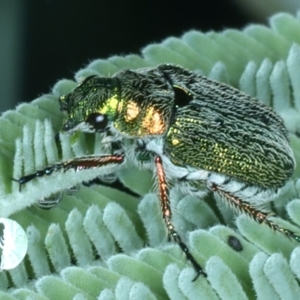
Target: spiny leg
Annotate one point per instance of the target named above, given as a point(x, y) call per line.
point(167, 216)
point(77, 164)
point(255, 214)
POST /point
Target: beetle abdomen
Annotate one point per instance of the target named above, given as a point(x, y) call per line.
point(247, 141)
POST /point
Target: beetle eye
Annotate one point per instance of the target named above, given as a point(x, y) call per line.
point(97, 121)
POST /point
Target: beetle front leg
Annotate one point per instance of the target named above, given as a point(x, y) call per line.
point(77, 164)
point(167, 216)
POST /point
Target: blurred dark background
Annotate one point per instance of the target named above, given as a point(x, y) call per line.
point(43, 41)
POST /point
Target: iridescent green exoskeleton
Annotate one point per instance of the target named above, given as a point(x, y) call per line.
point(196, 134)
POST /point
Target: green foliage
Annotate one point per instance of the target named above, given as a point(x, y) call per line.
point(93, 243)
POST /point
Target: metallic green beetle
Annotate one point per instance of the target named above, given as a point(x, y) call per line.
point(195, 133)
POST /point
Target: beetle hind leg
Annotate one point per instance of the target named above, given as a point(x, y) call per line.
point(256, 214)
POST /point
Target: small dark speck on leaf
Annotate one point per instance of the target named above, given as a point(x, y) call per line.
point(234, 243)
